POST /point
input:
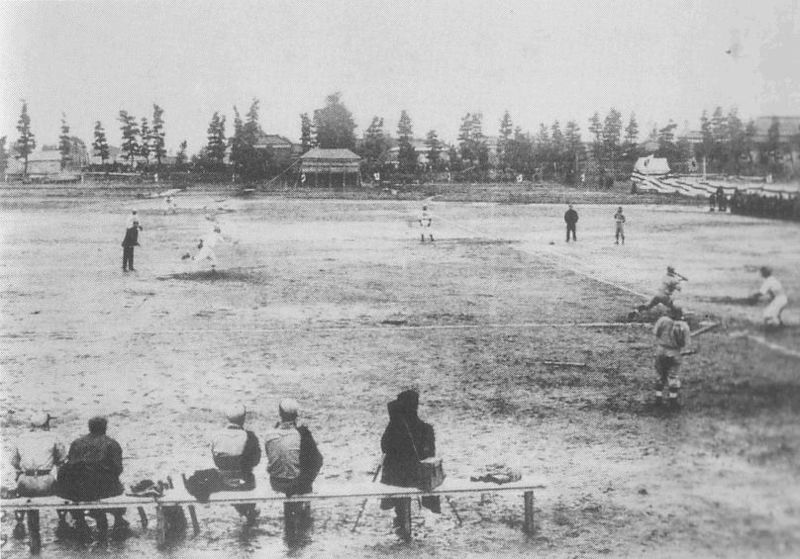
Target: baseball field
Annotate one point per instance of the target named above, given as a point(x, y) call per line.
point(519, 343)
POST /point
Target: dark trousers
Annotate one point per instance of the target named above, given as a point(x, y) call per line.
point(571, 227)
point(127, 258)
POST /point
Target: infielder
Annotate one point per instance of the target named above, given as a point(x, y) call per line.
point(206, 246)
point(426, 224)
point(772, 290)
point(672, 338)
point(669, 285)
point(619, 220)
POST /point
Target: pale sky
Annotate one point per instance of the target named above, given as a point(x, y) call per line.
point(542, 61)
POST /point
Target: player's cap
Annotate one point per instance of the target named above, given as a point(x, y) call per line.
point(39, 419)
point(676, 313)
point(670, 270)
point(289, 407)
point(236, 414)
point(766, 271)
point(133, 211)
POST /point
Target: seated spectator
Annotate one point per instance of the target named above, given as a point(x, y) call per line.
point(35, 458)
point(294, 459)
point(236, 452)
point(92, 470)
point(294, 462)
point(406, 440)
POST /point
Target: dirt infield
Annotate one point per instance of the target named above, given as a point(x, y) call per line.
point(338, 304)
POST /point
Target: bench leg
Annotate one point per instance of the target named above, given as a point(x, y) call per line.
point(455, 511)
point(528, 525)
point(403, 510)
point(161, 527)
point(142, 517)
point(195, 524)
point(33, 531)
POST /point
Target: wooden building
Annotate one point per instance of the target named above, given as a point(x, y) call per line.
point(330, 168)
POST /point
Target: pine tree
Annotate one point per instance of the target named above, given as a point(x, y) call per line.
point(611, 132)
point(375, 145)
point(100, 144)
point(334, 125)
point(306, 133)
point(407, 157)
point(144, 145)
point(506, 129)
point(64, 143)
point(215, 148)
point(180, 158)
point(26, 142)
point(157, 135)
point(434, 150)
point(130, 136)
point(3, 156)
point(465, 144)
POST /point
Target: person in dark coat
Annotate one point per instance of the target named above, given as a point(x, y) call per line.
point(92, 470)
point(130, 241)
point(406, 440)
point(571, 218)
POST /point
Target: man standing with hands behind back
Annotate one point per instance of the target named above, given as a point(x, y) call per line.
point(571, 217)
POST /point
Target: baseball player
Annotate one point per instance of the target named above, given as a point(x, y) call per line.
point(426, 223)
point(672, 339)
point(772, 291)
point(206, 246)
point(619, 232)
point(669, 285)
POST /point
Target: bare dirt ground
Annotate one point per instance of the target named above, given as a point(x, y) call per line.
point(338, 304)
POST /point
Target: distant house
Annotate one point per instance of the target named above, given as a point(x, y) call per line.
point(281, 146)
point(421, 149)
point(41, 164)
point(788, 129)
point(330, 168)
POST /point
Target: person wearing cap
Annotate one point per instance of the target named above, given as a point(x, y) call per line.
point(771, 290)
point(206, 246)
point(619, 230)
point(406, 440)
point(672, 339)
point(130, 241)
point(292, 454)
point(426, 224)
point(294, 461)
point(91, 472)
point(571, 219)
point(669, 285)
point(236, 452)
point(36, 458)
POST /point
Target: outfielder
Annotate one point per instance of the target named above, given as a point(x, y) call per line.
point(619, 220)
point(669, 285)
point(426, 224)
point(772, 290)
point(672, 338)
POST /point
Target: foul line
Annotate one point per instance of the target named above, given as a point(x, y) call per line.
point(763, 341)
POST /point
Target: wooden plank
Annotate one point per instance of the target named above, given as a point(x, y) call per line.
point(142, 517)
point(403, 509)
point(195, 523)
point(528, 525)
point(161, 527)
point(33, 531)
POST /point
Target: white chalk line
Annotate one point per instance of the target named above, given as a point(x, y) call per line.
point(763, 341)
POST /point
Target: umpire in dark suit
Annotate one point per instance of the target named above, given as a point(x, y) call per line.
point(571, 217)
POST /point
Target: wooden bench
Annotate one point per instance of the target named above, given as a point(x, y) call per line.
point(323, 491)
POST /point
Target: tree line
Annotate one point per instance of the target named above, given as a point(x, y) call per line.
point(555, 151)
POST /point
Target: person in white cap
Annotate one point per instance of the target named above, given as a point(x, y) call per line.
point(36, 458)
point(236, 452)
point(773, 292)
point(426, 224)
point(293, 462)
point(669, 285)
point(206, 246)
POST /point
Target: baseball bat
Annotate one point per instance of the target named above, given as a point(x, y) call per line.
point(364, 502)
